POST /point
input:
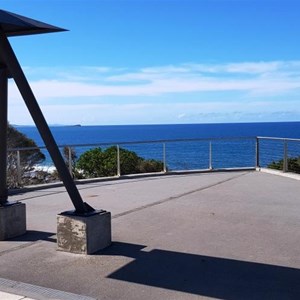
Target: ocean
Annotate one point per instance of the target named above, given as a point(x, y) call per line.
point(183, 155)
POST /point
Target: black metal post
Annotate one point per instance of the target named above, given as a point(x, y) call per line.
point(16, 72)
point(3, 135)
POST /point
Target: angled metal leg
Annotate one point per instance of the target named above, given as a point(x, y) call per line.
point(3, 135)
point(17, 74)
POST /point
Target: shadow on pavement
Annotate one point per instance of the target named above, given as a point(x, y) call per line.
point(205, 275)
point(32, 236)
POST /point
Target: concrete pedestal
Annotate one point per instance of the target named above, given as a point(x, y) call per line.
point(83, 234)
point(12, 220)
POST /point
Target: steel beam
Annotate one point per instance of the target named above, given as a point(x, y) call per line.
point(15, 70)
point(3, 135)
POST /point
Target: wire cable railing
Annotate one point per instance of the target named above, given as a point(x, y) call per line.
point(279, 153)
point(175, 155)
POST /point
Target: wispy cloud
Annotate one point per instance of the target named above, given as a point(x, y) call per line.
point(160, 112)
point(173, 92)
point(250, 77)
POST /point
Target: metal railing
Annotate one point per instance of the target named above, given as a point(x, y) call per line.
point(184, 154)
point(278, 153)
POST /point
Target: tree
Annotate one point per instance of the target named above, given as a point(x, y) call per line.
point(97, 163)
point(28, 158)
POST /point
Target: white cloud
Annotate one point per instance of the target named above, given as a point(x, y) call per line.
point(263, 78)
point(256, 87)
point(160, 112)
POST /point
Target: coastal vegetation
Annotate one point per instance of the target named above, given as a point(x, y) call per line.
point(99, 163)
point(93, 163)
point(96, 162)
point(28, 159)
point(293, 164)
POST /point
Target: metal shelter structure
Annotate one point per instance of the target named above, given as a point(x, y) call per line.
point(14, 25)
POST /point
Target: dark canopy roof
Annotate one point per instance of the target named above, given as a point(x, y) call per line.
point(13, 25)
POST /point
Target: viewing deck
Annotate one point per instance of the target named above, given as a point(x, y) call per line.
point(223, 235)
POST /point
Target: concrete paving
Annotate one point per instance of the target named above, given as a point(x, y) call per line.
point(231, 235)
point(8, 296)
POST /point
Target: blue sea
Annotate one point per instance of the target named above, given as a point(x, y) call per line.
point(183, 155)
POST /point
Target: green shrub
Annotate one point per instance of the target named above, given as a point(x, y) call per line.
point(150, 165)
point(97, 163)
point(91, 163)
point(293, 164)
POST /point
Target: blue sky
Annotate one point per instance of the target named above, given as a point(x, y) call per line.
point(160, 61)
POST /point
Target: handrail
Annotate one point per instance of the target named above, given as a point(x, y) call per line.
point(159, 142)
point(278, 138)
point(259, 158)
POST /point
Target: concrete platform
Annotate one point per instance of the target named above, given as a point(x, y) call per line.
point(223, 235)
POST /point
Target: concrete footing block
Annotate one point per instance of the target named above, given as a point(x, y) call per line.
point(12, 220)
point(83, 234)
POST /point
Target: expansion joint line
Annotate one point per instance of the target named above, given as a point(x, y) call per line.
point(177, 196)
point(16, 248)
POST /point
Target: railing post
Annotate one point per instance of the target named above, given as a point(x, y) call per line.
point(210, 156)
point(70, 161)
point(285, 156)
point(19, 176)
point(164, 158)
point(118, 162)
point(257, 153)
